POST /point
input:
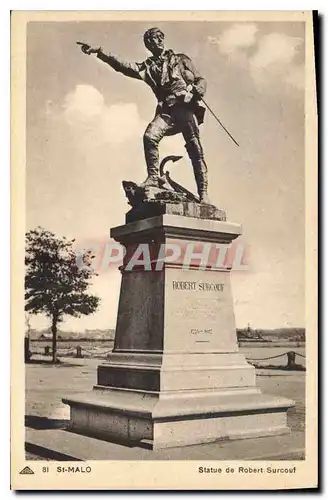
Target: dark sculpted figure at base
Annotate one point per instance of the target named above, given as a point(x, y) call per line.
point(178, 88)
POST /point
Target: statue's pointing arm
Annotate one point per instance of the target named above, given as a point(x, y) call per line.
point(132, 69)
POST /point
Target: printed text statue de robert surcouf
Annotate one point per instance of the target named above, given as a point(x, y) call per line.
point(178, 87)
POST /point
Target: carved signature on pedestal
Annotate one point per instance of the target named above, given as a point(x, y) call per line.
point(197, 332)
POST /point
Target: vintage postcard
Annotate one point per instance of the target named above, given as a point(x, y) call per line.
point(164, 251)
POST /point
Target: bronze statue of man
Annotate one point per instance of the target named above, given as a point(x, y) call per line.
point(178, 88)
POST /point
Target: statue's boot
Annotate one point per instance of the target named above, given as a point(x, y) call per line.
point(152, 160)
point(151, 181)
point(156, 181)
point(196, 155)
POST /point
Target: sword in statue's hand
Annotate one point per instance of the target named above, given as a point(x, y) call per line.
point(219, 122)
point(213, 114)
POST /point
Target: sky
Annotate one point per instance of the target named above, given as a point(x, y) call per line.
point(84, 136)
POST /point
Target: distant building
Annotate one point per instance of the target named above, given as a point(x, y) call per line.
point(250, 335)
point(46, 336)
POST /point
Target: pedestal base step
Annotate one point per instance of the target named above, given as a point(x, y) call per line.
point(177, 420)
point(58, 444)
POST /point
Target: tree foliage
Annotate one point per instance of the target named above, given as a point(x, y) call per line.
point(56, 282)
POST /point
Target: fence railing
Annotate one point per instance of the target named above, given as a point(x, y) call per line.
point(80, 352)
point(290, 364)
point(76, 352)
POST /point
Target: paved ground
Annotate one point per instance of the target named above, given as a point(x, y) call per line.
point(46, 384)
point(290, 385)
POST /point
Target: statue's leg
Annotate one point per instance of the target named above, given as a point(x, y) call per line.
point(154, 133)
point(189, 127)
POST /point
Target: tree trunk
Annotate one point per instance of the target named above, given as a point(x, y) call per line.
point(54, 339)
point(27, 352)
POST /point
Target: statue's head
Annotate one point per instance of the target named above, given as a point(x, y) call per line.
point(154, 40)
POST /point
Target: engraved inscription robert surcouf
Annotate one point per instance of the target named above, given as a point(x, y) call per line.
point(194, 285)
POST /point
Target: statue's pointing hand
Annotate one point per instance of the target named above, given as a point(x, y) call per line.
point(87, 49)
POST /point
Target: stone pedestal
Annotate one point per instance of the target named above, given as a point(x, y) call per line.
point(175, 376)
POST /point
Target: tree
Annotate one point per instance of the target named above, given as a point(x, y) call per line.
point(27, 352)
point(56, 282)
